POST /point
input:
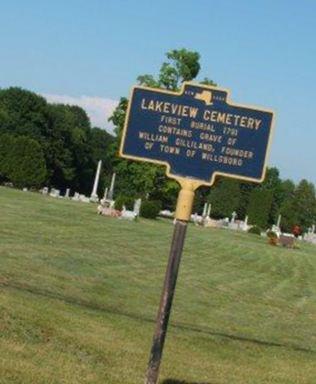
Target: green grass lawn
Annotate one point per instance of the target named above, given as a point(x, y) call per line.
point(79, 295)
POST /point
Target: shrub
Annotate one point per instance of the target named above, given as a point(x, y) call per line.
point(272, 235)
point(124, 200)
point(255, 230)
point(150, 209)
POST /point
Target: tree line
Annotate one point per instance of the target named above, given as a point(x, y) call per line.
point(48, 144)
point(55, 145)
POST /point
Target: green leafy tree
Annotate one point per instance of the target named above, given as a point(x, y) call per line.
point(224, 197)
point(305, 201)
point(69, 145)
point(260, 202)
point(245, 192)
point(289, 214)
point(59, 147)
point(200, 198)
point(181, 65)
point(287, 190)
point(23, 113)
point(70, 148)
point(24, 163)
point(165, 190)
point(148, 81)
point(118, 120)
point(273, 183)
point(287, 206)
point(135, 179)
point(207, 81)
point(6, 143)
point(300, 208)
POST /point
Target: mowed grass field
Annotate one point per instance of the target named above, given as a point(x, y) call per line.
point(79, 295)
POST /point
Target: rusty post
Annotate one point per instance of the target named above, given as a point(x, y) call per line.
point(166, 301)
point(183, 212)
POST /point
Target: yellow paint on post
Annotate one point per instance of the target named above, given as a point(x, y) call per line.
point(185, 199)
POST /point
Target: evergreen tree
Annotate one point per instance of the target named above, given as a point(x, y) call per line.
point(300, 208)
point(305, 201)
point(260, 203)
point(224, 197)
point(245, 192)
point(6, 143)
point(287, 190)
point(289, 215)
point(272, 183)
point(24, 163)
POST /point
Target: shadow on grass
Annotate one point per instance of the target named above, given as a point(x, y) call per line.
point(114, 311)
point(174, 381)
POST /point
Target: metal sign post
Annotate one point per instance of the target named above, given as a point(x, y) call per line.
point(183, 212)
point(198, 134)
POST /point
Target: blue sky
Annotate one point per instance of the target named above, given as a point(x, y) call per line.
point(91, 52)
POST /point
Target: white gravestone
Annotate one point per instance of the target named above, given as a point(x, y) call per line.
point(209, 210)
point(94, 197)
point(84, 199)
point(54, 192)
point(127, 215)
point(75, 196)
point(244, 225)
point(137, 205)
point(204, 210)
point(111, 191)
point(279, 221)
point(232, 224)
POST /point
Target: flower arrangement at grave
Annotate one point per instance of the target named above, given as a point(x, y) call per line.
point(272, 238)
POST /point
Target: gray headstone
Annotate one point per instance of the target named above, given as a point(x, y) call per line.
point(137, 205)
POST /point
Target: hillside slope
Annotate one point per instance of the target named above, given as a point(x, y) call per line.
point(79, 295)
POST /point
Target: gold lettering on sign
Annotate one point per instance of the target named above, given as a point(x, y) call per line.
point(169, 149)
point(174, 131)
point(169, 108)
point(210, 137)
point(237, 152)
point(170, 120)
point(202, 126)
point(231, 119)
point(152, 137)
point(228, 160)
point(186, 143)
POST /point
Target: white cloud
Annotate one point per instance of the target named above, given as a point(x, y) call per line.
point(98, 109)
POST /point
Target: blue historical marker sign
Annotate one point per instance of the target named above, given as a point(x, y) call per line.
point(197, 133)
